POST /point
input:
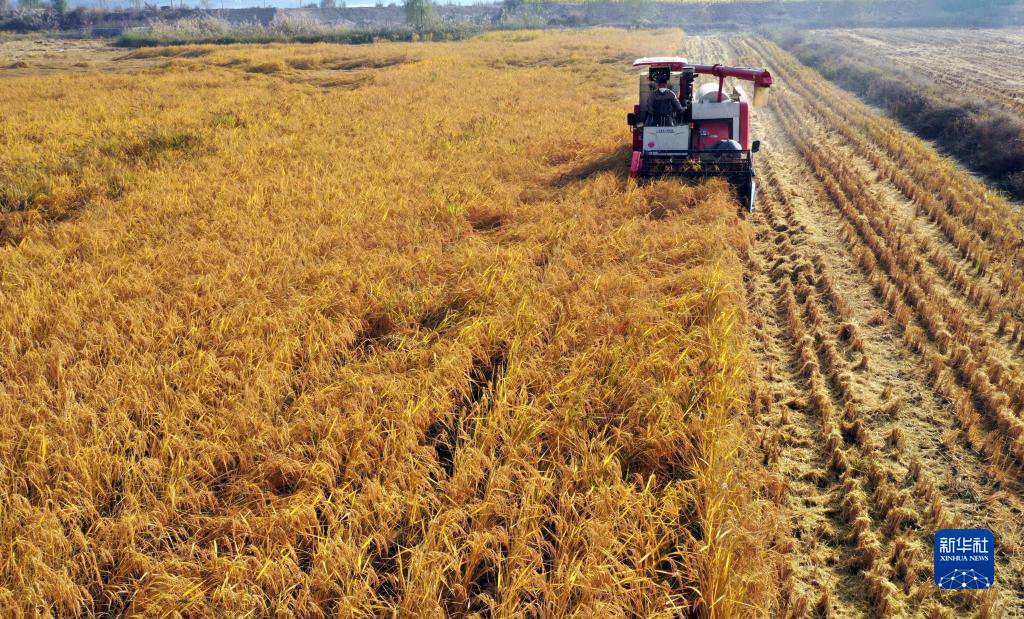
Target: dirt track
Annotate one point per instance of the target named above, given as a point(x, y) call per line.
point(887, 323)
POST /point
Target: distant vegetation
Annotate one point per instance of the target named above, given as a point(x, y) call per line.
point(418, 19)
point(294, 30)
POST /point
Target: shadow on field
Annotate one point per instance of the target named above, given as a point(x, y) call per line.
point(616, 161)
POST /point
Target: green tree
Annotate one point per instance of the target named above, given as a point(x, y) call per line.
point(419, 14)
point(60, 6)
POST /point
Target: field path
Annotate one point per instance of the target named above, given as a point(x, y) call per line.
point(890, 372)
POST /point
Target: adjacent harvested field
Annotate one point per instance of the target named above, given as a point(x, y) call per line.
point(985, 64)
point(367, 330)
point(887, 308)
point(378, 330)
point(967, 102)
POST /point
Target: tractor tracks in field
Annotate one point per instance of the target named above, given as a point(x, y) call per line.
point(888, 335)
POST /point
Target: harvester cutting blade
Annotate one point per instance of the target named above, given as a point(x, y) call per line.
point(735, 167)
point(746, 193)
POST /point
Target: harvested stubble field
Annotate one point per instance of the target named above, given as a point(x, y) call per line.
point(961, 89)
point(363, 330)
point(984, 64)
point(887, 322)
point(370, 330)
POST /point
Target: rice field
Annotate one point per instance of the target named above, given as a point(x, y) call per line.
point(386, 330)
point(342, 330)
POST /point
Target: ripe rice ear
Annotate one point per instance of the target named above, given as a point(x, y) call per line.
point(896, 439)
point(823, 607)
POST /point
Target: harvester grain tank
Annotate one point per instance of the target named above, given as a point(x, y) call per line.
point(709, 136)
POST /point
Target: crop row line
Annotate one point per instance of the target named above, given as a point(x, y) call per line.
point(916, 171)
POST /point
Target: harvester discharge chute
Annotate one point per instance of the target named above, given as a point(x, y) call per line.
point(706, 135)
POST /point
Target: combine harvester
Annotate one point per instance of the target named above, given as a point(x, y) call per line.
point(709, 136)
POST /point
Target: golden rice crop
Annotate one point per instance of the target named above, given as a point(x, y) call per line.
point(352, 331)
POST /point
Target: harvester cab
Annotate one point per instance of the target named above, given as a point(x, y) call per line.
point(709, 137)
